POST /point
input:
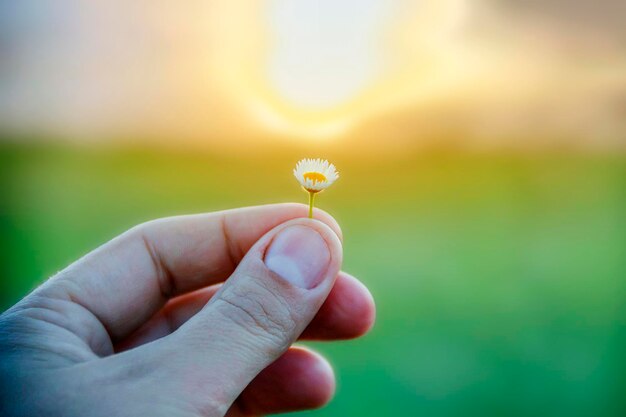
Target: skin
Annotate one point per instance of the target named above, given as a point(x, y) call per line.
point(181, 317)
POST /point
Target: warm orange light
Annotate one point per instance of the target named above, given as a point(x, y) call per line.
point(360, 76)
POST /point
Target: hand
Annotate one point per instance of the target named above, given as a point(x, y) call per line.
point(143, 326)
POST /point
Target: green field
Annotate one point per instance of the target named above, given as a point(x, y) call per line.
point(500, 280)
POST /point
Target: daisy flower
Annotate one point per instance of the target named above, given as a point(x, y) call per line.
point(315, 175)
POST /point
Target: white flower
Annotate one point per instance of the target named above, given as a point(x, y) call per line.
point(315, 175)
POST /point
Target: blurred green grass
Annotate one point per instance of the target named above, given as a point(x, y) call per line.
point(500, 280)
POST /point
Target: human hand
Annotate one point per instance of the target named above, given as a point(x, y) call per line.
point(142, 326)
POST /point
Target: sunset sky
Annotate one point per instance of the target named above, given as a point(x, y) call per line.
point(486, 72)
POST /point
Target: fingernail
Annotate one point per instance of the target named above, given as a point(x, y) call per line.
point(299, 255)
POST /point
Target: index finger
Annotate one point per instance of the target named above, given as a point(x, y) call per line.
point(124, 282)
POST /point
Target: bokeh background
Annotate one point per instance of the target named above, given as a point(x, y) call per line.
point(482, 147)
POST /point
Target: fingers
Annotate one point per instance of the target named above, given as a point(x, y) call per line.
point(257, 314)
point(173, 315)
point(299, 380)
point(348, 312)
point(124, 282)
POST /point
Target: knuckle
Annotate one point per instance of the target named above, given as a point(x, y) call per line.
point(141, 230)
point(260, 312)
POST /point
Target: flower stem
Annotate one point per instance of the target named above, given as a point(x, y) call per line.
point(311, 199)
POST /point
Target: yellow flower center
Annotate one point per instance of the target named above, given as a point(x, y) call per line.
point(314, 176)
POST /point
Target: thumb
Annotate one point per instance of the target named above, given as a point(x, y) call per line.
point(260, 311)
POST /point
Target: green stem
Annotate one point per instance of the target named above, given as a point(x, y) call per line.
point(311, 199)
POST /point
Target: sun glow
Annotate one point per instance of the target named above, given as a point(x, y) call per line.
point(331, 66)
point(357, 74)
